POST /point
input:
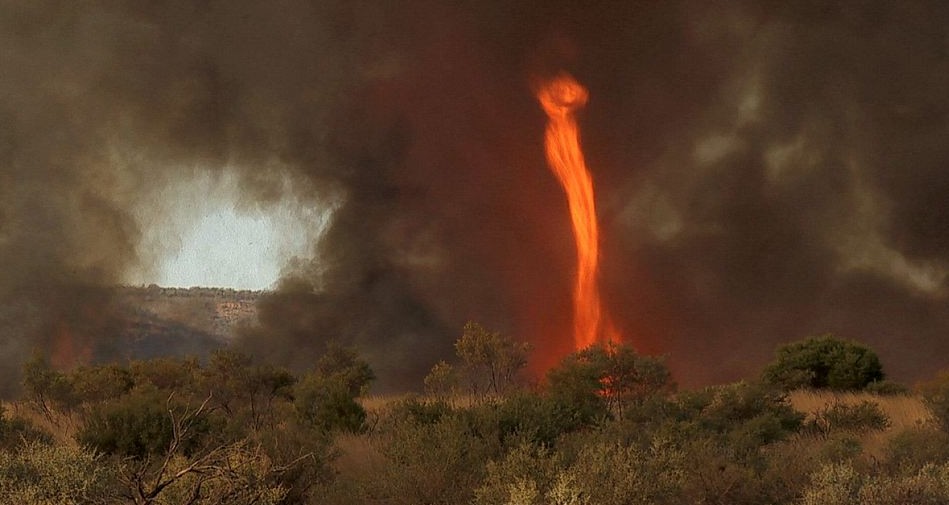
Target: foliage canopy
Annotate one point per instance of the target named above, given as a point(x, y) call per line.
point(824, 362)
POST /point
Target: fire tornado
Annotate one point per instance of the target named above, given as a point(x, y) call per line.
point(560, 98)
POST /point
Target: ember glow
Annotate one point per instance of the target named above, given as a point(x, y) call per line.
point(561, 97)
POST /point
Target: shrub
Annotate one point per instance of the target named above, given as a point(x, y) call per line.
point(520, 477)
point(603, 381)
point(41, 474)
point(140, 424)
point(936, 397)
point(617, 474)
point(441, 462)
point(862, 417)
point(887, 388)
point(841, 484)
point(824, 363)
point(16, 431)
point(834, 484)
point(328, 404)
point(914, 448)
point(419, 411)
point(756, 413)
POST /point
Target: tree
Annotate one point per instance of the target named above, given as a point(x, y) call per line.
point(607, 379)
point(490, 362)
point(244, 389)
point(47, 391)
point(344, 365)
point(441, 382)
point(824, 362)
point(326, 397)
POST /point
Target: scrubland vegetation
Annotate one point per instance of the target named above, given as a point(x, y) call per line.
point(607, 426)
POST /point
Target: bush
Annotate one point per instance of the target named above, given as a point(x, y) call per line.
point(521, 477)
point(936, 397)
point(862, 417)
point(914, 448)
point(840, 484)
point(139, 424)
point(440, 462)
point(602, 381)
point(824, 363)
point(40, 474)
point(328, 404)
point(16, 431)
point(755, 413)
point(887, 388)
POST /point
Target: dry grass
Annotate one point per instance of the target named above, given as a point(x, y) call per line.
point(62, 428)
point(903, 411)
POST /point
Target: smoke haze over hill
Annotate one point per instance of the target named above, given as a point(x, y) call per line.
point(764, 170)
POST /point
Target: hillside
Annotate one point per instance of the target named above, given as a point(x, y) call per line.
point(182, 321)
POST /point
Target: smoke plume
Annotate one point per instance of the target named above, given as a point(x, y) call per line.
point(764, 170)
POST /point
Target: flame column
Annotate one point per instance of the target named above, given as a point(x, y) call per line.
point(560, 98)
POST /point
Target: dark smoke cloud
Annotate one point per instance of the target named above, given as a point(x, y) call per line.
point(765, 170)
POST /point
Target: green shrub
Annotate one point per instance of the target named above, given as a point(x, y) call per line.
point(840, 448)
point(824, 363)
point(914, 448)
point(887, 388)
point(605, 381)
point(521, 477)
point(420, 411)
point(441, 462)
point(841, 484)
point(140, 424)
point(757, 413)
point(328, 404)
point(41, 474)
point(616, 474)
point(834, 484)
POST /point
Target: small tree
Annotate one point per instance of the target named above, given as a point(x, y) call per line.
point(824, 362)
point(607, 379)
point(47, 391)
point(490, 362)
point(326, 398)
point(441, 382)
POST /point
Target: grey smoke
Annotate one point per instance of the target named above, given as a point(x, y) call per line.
point(765, 170)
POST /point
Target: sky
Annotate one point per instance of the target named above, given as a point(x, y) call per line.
point(764, 171)
point(224, 249)
point(206, 236)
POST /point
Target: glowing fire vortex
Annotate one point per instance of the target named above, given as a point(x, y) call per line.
point(560, 97)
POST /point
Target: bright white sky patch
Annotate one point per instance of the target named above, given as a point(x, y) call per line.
point(196, 233)
point(226, 249)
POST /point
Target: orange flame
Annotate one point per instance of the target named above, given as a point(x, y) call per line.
point(560, 98)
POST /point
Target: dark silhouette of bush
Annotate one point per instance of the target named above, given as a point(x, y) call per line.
point(824, 362)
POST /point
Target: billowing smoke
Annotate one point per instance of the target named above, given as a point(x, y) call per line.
point(765, 170)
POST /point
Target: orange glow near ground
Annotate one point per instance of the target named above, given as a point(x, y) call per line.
point(560, 98)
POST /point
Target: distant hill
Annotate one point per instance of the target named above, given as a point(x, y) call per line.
point(163, 321)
